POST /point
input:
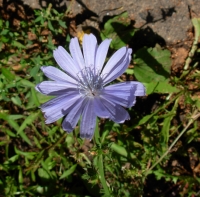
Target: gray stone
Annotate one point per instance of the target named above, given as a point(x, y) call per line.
point(170, 19)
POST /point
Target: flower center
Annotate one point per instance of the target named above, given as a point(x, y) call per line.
point(90, 82)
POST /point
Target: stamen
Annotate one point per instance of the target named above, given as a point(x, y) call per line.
point(90, 82)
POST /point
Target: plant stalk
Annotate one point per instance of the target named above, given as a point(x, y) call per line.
point(191, 121)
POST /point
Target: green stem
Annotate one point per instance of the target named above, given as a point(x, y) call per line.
point(102, 177)
point(59, 141)
point(193, 118)
point(196, 24)
point(96, 134)
point(100, 161)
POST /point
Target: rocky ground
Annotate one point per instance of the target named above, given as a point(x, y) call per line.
point(168, 21)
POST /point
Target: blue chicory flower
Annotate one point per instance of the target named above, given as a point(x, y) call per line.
point(81, 89)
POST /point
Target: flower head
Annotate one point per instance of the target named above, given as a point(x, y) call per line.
point(82, 90)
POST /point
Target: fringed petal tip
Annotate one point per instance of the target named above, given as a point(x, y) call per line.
point(140, 89)
point(130, 51)
point(101, 54)
point(37, 88)
point(86, 136)
point(68, 129)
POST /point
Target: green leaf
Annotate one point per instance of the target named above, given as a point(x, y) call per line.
point(62, 24)
point(165, 129)
point(160, 87)
point(34, 71)
point(152, 65)
point(11, 159)
point(4, 32)
point(50, 26)
point(45, 167)
point(129, 71)
point(20, 176)
point(8, 75)
point(18, 44)
point(5, 39)
point(119, 149)
point(39, 18)
point(10, 121)
point(145, 119)
point(34, 96)
point(28, 155)
point(27, 121)
point(43, 98)
point(37, 143)
point(197, 103)
point(8, 132)
point(167, 123)
point(68, 172)
point(119, 29)
point(26, 83)
point(16, 100)
point(43, 173)
point(16, 116)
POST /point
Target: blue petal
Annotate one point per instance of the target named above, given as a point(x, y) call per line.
point(116, 65)
point(120, 96)
point(72, 118)
point(140, 89)
point(59, 107)
point(55, 88)
point(99, 109)
point(76, 53)
point(56, 74)
point(89, 49)
point(65, 61)
point(118, 113)
point(101, 54)
point(88, 121)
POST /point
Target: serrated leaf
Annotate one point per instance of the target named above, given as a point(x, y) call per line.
point(152, 65)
